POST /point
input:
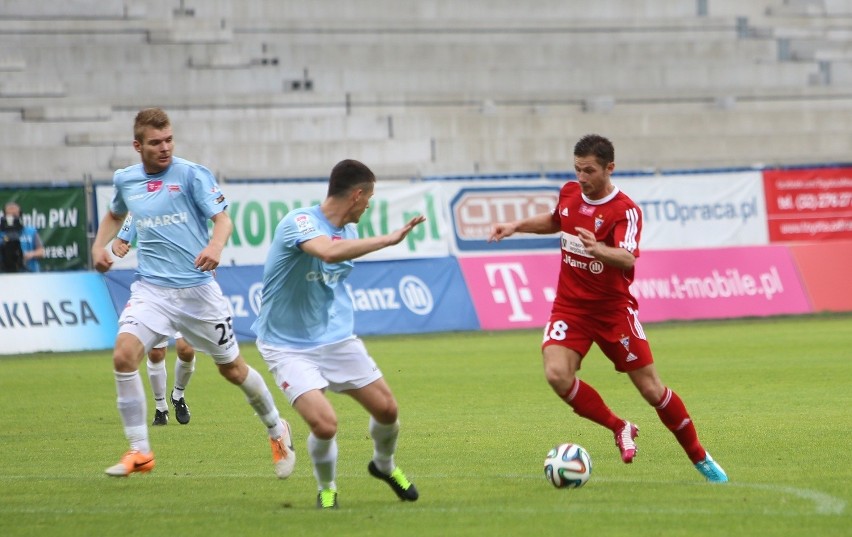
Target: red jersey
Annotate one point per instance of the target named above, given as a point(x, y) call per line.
point(584, 282)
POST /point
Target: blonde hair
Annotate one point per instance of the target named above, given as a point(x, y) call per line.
point(150, 117)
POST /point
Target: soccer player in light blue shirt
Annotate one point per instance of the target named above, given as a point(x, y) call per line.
point(156, 365)
point(306, 323)
point(320, 311)
point(170, 212)
point(171, 200)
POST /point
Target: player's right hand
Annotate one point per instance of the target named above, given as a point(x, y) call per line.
point(501, 231)
point(101, 259)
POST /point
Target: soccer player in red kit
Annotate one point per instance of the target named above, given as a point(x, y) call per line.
point(600, 229)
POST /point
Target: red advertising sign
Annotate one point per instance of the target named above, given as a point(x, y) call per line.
point(811, 204)
point(824, 270)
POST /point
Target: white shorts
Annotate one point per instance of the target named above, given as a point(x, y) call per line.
point(339, 366)
point(202, 314)
point(165, 341)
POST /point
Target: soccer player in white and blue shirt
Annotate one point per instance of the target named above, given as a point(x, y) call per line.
point(156, 365)
point(171, 200)
point(305, 329)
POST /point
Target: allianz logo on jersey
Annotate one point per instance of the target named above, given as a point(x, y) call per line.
point(411, 292)
point(161, 220)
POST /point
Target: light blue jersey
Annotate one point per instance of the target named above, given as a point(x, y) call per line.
point(31, 241)
point(304, 301)
point(170, 212)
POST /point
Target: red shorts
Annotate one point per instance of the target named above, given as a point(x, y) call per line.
point(618, 333)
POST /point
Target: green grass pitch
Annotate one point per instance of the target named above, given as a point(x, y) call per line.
point(771, 400)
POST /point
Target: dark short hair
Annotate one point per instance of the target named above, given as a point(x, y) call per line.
point(595, 145)
point(150, 117)
point(348, 174)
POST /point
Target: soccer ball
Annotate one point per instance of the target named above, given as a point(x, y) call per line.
point(567, 466)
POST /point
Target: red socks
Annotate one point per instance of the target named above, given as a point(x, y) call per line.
point(674, 416)
point(588, 403)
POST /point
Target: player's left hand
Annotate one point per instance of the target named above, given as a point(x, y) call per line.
point(120, 247)
point(208, 259)
point(397, 236)
point(415, 221)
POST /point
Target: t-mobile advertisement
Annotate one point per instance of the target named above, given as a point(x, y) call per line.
point(516, 291)
point(512, 291)
point(718, 284)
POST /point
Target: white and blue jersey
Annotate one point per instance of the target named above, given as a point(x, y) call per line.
point(304, 303)
point(170, 211)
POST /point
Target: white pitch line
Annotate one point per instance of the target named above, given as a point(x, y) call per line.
point(825, 504)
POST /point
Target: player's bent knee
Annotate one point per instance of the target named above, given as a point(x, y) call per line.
point(652, 394)
point(324, 429)
point(559, 379)
point(387, 412)
point(234, 372)
point(388, 417)
point(125, 362)
point(185, 351)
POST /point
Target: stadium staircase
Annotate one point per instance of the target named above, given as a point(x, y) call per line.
point(270, 89)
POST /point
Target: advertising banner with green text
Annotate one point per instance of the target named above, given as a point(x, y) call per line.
point(256, 209)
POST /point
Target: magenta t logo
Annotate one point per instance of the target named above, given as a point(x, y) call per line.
point(512, 291)
point(509, 285)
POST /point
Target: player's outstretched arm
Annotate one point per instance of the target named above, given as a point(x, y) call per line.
point(330, 251)
point(502, 230)
point(541, 224)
